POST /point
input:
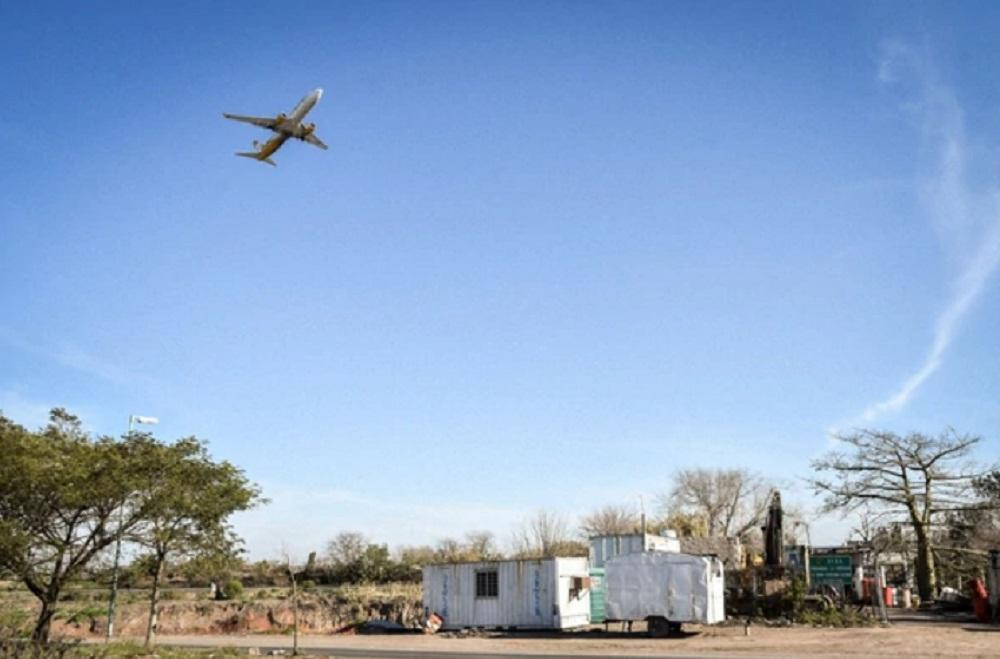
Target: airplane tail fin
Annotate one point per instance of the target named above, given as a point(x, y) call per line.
point(256, 156)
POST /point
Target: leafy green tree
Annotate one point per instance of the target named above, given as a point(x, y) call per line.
point(60, 496)
point(190, 500)
point(212, 567)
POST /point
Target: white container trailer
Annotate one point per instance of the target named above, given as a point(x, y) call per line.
point(551, 593)
point(605, 547)
point(666, 589)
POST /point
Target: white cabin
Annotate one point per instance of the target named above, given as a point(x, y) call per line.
point(549, 593)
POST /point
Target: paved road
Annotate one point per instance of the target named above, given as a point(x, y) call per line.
point(332, 647)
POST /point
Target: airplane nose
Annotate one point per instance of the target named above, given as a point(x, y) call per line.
point(318, 92)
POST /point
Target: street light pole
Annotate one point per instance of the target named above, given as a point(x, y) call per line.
point(132, 420)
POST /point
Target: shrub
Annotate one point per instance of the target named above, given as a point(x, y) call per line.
point(232, 590)
point(845, 617)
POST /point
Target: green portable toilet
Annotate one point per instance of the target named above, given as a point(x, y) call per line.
point(596, 595)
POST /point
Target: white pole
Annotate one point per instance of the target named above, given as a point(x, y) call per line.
point(132, 420)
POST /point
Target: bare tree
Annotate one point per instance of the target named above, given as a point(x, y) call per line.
point(730, 501)
point(478, 546)
point(449, 550)
point(481, 546)
point(916, 478)
point(968, 535)
point(418, 555)
point(543, 535)
point(610, 520)
point(346, 548)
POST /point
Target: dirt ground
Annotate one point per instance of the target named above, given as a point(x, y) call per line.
point(899, 640)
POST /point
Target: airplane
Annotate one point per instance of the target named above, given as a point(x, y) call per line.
point(285, 125)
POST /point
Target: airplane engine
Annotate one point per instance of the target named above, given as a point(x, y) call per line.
point(281, 117)
point(308, 129)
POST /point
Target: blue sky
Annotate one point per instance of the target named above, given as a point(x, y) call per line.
point(555, 252)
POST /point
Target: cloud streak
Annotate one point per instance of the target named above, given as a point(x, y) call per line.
point(968, 222)
point(72, 357)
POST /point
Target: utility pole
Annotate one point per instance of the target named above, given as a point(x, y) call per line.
point(132, 420)
point(642, 521)
point(880, 591)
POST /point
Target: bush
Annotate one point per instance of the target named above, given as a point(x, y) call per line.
point(846, 617)
point(232, 590)
point(793, 599)
point(14, 623)
point(308, 585)
point(86, 614)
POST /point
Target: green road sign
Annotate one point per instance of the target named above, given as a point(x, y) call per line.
point(836, 569)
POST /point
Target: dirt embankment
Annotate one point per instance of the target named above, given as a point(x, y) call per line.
point(320, 612)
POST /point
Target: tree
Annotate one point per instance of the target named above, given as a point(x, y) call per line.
point(416, 556)
point(190, 501)
point(481, 546)
point(731, 502)
point(916, 477)
point(346, 548)
point(687, 525)
point(213, 566)
point(544, 535)
point(64, 498)
point(478, 546)
point(610, 520)
point(966, 536)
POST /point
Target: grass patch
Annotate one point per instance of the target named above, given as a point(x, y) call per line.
point(133, 649)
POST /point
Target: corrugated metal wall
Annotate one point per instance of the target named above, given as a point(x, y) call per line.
point(678, 587)
point(531, 594)
point(605, 547)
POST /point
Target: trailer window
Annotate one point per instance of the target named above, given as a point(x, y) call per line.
point(487, 584)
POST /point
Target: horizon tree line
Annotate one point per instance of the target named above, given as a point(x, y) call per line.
point(66, 497)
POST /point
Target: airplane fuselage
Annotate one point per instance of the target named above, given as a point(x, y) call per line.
point(266, 149)
point(283, 127)
point(291, 125)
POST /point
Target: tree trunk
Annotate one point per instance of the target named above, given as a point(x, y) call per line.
point(154, 600)
point(295, 616)
point(926, 574)
point(42, 627)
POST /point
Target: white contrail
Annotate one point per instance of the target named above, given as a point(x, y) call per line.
point(970, 285)
point(973, 227)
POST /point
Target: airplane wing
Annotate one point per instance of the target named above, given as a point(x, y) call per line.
point(263, 122)
point(315, 141)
